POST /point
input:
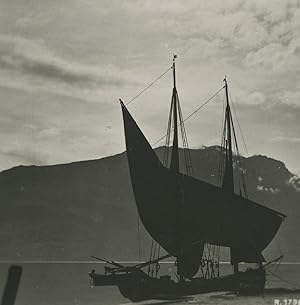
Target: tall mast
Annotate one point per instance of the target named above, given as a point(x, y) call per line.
point(228, 183)
point(174, 166)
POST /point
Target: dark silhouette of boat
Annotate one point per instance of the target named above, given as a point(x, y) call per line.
point(191, 219)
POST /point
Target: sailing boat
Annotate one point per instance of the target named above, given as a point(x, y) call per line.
point(187, 217)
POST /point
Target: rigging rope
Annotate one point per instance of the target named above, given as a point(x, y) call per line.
point(239, 162)
point(150, 257)
point(167, 143)
point(221, 166)
point(151, 84)
point(139, 236)
point(186, 151)
point(239, 124)
point(195, 111)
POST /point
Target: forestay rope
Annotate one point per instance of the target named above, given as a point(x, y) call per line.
point(190, 115)
point(150, 85)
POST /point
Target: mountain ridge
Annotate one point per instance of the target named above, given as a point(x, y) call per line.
point(78, 209)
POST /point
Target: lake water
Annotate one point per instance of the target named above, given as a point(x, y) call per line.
point(68, 284)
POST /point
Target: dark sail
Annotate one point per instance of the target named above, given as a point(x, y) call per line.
point(154, 188)
point(238, 222)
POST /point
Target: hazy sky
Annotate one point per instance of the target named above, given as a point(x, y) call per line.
point(64, 64)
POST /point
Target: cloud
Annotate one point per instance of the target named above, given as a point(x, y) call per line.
point(21, 155)
point(29, 63)
point(286, 139)
point(49, 132)
point(281, 48)
point(238, 24)
point(32, 57)
point(254, 98)
point(291, 98)
point(276, 57)
point(272, 190)
point(247, 97)
point(294, 182)
point(65, 54)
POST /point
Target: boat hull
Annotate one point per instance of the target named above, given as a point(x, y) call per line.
point(138, 286)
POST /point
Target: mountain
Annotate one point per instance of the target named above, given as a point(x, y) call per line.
point(72, 211)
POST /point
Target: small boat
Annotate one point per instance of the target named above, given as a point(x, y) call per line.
point(191, 219)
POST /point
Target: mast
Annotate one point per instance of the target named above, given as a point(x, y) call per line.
point(174, 166)
point(228, 182)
